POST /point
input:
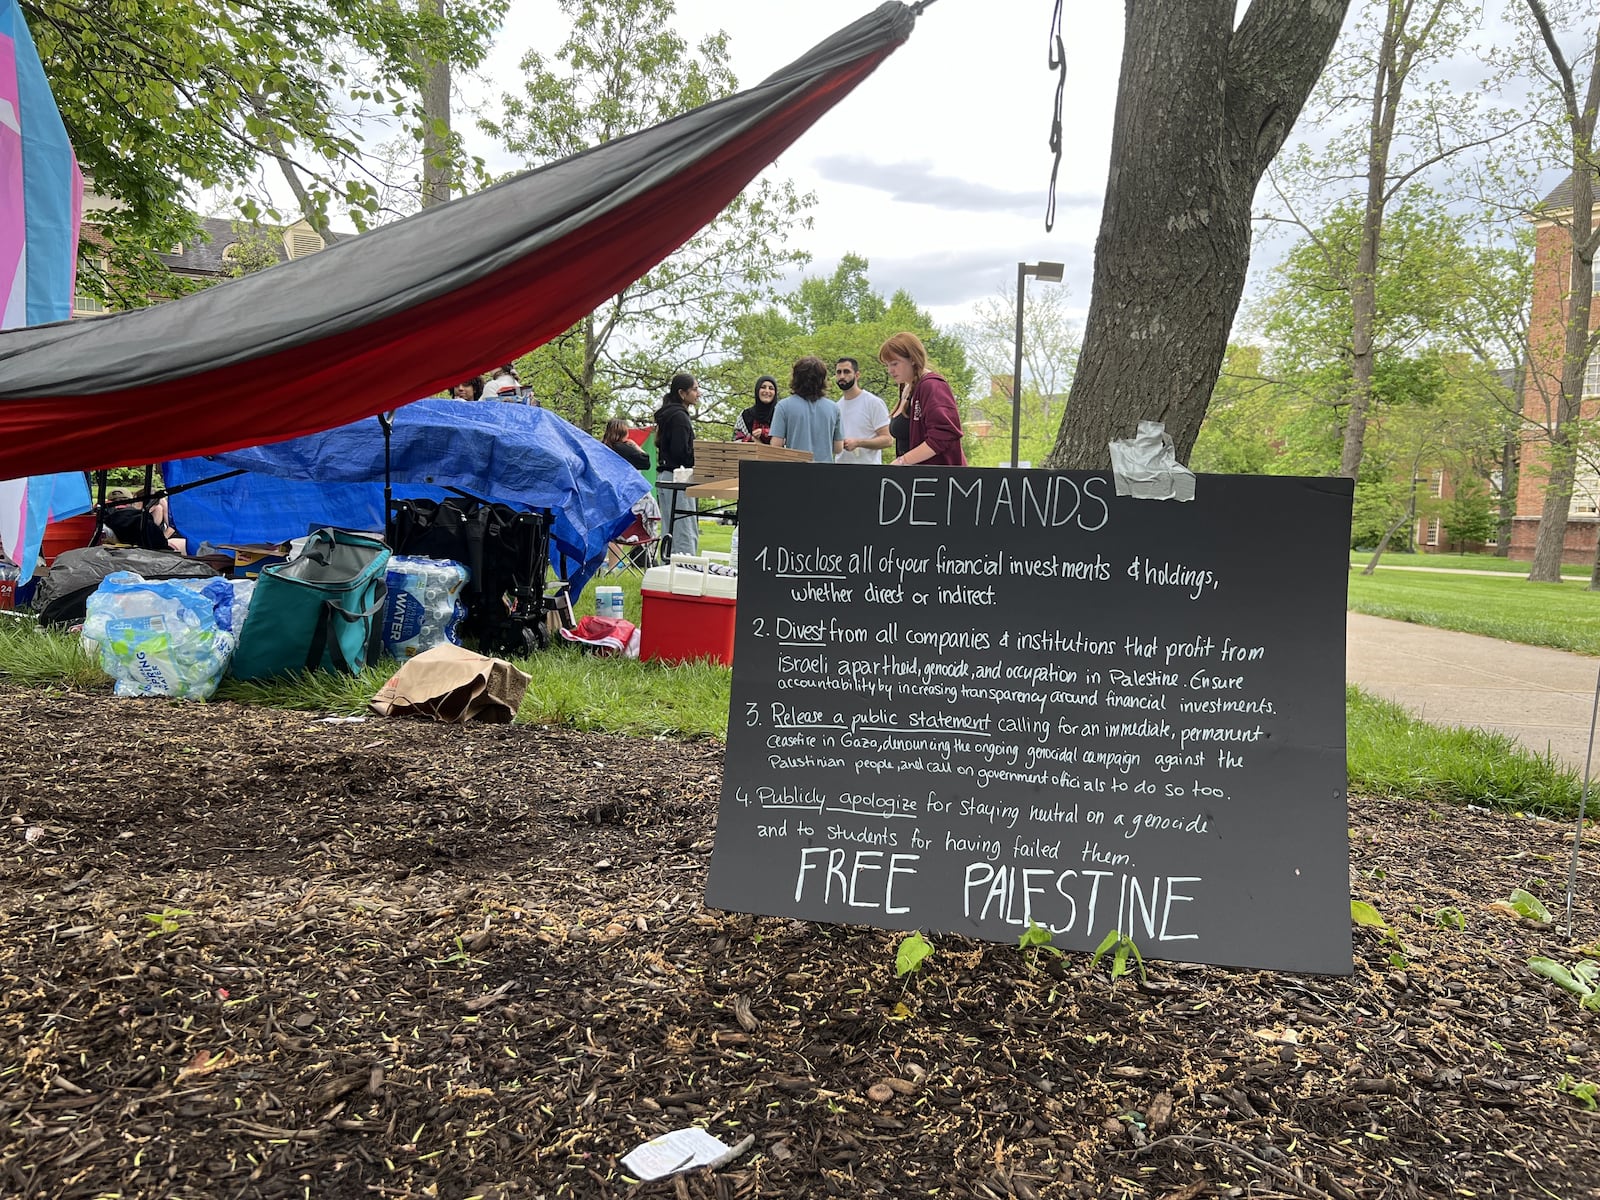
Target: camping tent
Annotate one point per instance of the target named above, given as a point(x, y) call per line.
point(409, 308)
point(525, 457)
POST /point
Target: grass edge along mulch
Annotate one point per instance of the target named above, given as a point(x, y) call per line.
point(1389, 751)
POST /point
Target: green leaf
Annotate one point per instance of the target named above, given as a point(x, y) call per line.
point(1111, 939)
point(1585, 1093)
point(914, 948)
point(1034, 935)
point(1363, 913)
point(1559, 974)
point(1529, 905)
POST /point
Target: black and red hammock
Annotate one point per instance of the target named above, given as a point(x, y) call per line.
point(481, 279)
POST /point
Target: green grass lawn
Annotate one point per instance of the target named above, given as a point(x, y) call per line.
point(1565, 616)
point(1459, 562)
point(1390, 752)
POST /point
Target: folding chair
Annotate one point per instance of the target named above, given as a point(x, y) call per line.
point(635, 548)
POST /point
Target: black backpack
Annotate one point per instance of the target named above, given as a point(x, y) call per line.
point(507, 556)
point(63, 594)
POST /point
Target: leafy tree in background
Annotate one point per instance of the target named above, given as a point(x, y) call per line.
point(1566, 342)
point(1439, 295)
point(832, 317)
point(1255, 424)
point(1383, 126)
point(1050, 342)
point(163, 98)
point(255, 250)
point(1469, 515)
point(622, 69)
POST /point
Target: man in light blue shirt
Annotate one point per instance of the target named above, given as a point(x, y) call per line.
point(806, 419)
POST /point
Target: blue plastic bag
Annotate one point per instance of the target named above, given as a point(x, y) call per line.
point(161, 637)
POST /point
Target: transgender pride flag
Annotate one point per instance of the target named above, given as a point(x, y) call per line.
point(41, 201)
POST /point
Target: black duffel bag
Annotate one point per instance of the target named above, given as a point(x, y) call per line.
point(63, 594)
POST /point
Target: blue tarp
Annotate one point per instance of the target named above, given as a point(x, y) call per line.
point(525, 457)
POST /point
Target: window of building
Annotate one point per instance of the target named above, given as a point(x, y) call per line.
point(1591, 375)
point(1433, 532)
point(83, 304)
point(1586, 493)
point(1437, 486)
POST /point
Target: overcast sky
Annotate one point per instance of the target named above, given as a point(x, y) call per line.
point(936, 168)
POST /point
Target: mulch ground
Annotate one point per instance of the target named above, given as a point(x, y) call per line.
point(250, 954)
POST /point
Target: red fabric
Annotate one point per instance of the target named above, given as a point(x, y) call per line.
point(412, 354)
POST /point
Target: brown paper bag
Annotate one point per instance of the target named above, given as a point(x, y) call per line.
point(451, 684)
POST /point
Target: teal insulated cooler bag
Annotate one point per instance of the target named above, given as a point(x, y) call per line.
point(320, 611)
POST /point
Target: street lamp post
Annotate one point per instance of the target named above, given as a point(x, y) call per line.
point(1048, 272)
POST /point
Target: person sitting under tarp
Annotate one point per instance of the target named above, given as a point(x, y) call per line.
point(133, 519)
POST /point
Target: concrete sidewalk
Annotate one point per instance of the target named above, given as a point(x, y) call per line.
point(1543, 698)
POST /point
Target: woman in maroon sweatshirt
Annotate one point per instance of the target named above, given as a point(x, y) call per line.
point(927, 401)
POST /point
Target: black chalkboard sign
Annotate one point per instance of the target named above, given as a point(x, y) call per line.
point(970, 700)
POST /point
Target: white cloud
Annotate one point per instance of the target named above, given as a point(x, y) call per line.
point(936, 168)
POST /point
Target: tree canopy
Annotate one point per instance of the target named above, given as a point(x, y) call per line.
point(165, 98)
point(834, 316)
point(624, 68)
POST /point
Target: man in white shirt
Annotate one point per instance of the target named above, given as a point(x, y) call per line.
point(863, 417)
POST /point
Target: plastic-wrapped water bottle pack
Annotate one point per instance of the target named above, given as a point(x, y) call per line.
point(161, 637)
point(424, 604)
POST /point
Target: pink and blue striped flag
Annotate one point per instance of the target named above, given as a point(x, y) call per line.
point(41, 203)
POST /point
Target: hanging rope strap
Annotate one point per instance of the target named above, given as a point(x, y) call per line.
point(1058, 63)
point(916, 9)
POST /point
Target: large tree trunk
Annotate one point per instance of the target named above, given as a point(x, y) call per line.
point(1386, 85)
point(1510, 464)
point(1201, 110)
point(436, 140)
point(1580, 117)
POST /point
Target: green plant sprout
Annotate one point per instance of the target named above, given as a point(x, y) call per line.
point(1528, 905)
point(1583, 1091)
point(165, 921)
point(1364, 914)
point(1036, 938)
point(1122, 949)
point(460, 956)
point(913, 952)
point(1582, 979)
point(1450, 918)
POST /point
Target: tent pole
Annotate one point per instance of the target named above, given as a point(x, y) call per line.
point(386, 421)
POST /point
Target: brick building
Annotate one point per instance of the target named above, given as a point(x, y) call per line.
point(1546, 336)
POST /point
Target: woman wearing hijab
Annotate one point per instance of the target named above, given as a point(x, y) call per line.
point(755, 423)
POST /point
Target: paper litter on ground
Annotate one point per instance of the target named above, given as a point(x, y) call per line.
point(680, 1150)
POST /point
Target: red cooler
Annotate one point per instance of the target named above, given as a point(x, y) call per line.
point(676, 628)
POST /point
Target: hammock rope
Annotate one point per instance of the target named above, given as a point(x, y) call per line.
point(1058, 63)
